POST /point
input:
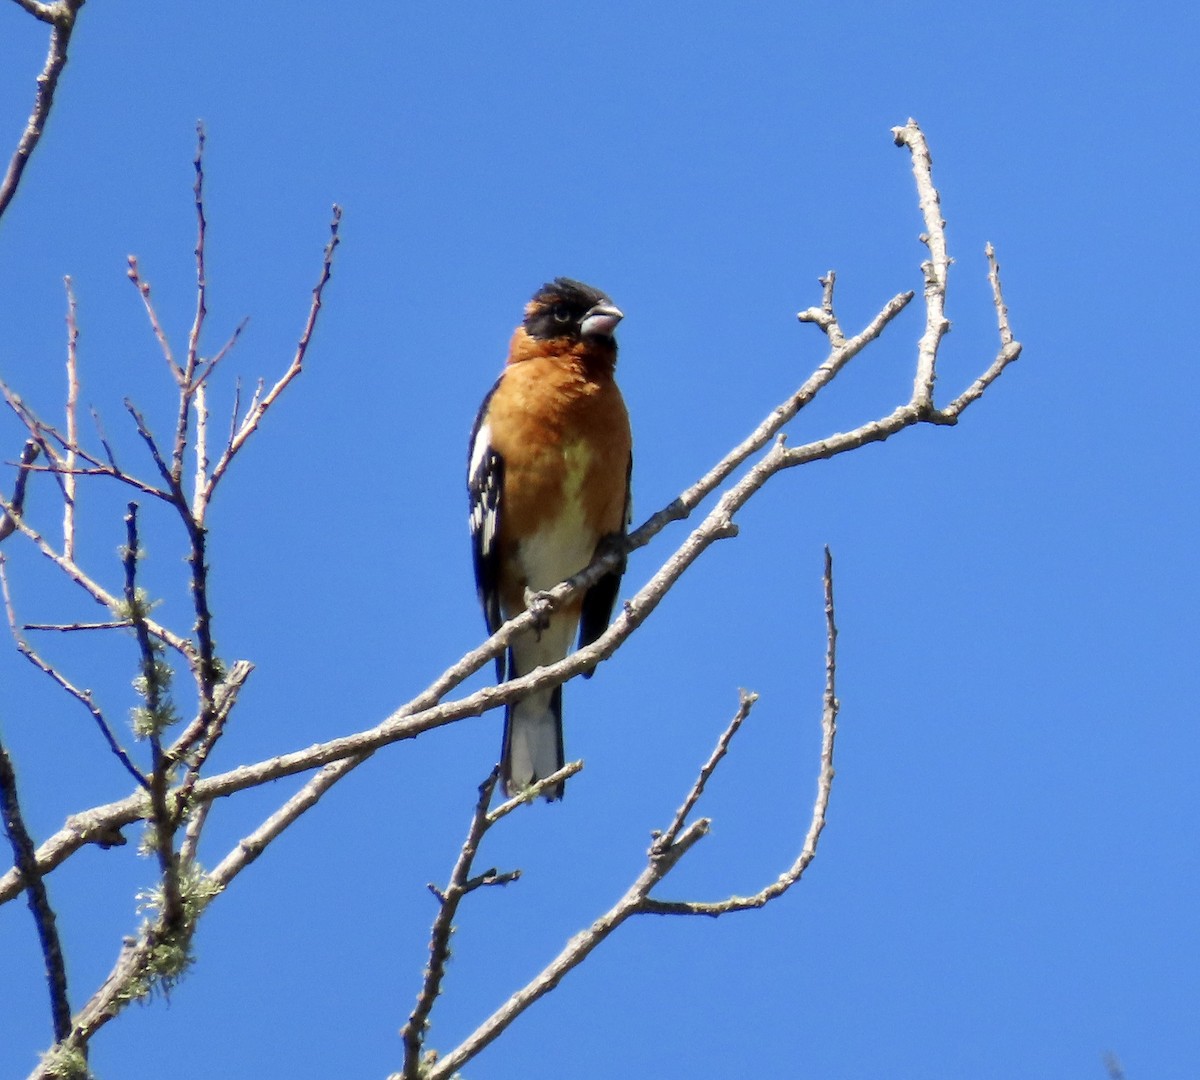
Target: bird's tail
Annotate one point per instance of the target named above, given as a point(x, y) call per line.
point(533, 742)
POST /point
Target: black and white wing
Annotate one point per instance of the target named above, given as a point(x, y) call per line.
point(485, 488)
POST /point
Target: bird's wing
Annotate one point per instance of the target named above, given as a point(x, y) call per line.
point(601, 598)
point(485, 488)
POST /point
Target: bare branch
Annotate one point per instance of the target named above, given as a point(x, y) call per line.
point(808, 852)
point(664, 841)
point(118, 624)
point(462, 883)
point(8, 522)
point(413, 1032)
point(1009, 349)
point(160, 462)
point(108, 451)
point(824, 316)
point(24, 857)
point(336, 758)
point(143, 288)
point(37, 433)
point(154, 717)
point(935, 269)
point(187, 379)
point(191, 836)
point(72, 425)
point(573, 954)
point(46, 436)
point(200, 403)
point(224, 697)
point(222, 352)
point(84, 697)
point(61, 16)
point(96, 591)
point(664, 855)
point(249, 849)
point(193, 353)
point(260, 406)
point(535, 790)
point(45, 12)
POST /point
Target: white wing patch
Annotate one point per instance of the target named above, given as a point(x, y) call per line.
point(485, 483)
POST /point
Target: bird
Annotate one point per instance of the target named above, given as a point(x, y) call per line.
point(548, 479)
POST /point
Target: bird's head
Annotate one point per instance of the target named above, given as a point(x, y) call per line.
point(564, 308)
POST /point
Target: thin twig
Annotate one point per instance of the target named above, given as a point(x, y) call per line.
point(531, 793)
point(8, 520)
point(196, 819)
point(72, 424)
point(25, 858)
point(200, 403)
point(164, 470)
point(37, 432)
point(808, 851)
point(61, 15)
point(222, 352)
point(84, 697)
point(193, 353)
point(573, 954)
point(664, 841)
point(414, 1031)
point(143, 288)
point(224, 697)
point(100, 434)
point(114, 624)
point(824, 316)
point(260, 406)
point(1010, 350)
point(96, 591)
point(935, 269)
point(187, 378)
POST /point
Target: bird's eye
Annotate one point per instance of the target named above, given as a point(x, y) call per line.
point(561, 313)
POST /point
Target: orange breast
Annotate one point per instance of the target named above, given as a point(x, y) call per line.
point(563, 432)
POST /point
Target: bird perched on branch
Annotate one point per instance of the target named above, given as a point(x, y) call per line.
point(548, 478)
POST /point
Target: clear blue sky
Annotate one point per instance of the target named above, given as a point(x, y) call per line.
point(1009, 883)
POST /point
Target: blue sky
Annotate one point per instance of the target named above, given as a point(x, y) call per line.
point(1008, 884)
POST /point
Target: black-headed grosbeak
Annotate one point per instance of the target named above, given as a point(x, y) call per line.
point(548, 478)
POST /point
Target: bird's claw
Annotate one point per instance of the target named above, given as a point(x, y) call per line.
point(538, 605)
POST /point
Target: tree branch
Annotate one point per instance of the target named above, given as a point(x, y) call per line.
point(664, 855)
point(808, 851)
point(8, 521)
point(39, 900)
point(61, 16)
point(260, 405)
point(72, 423)
point(84, 697)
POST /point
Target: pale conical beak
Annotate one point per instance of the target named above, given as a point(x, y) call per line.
point(601, 320)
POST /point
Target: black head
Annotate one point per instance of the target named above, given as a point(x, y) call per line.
point(565, 308)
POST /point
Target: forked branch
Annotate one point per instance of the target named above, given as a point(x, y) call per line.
point(666, 850)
